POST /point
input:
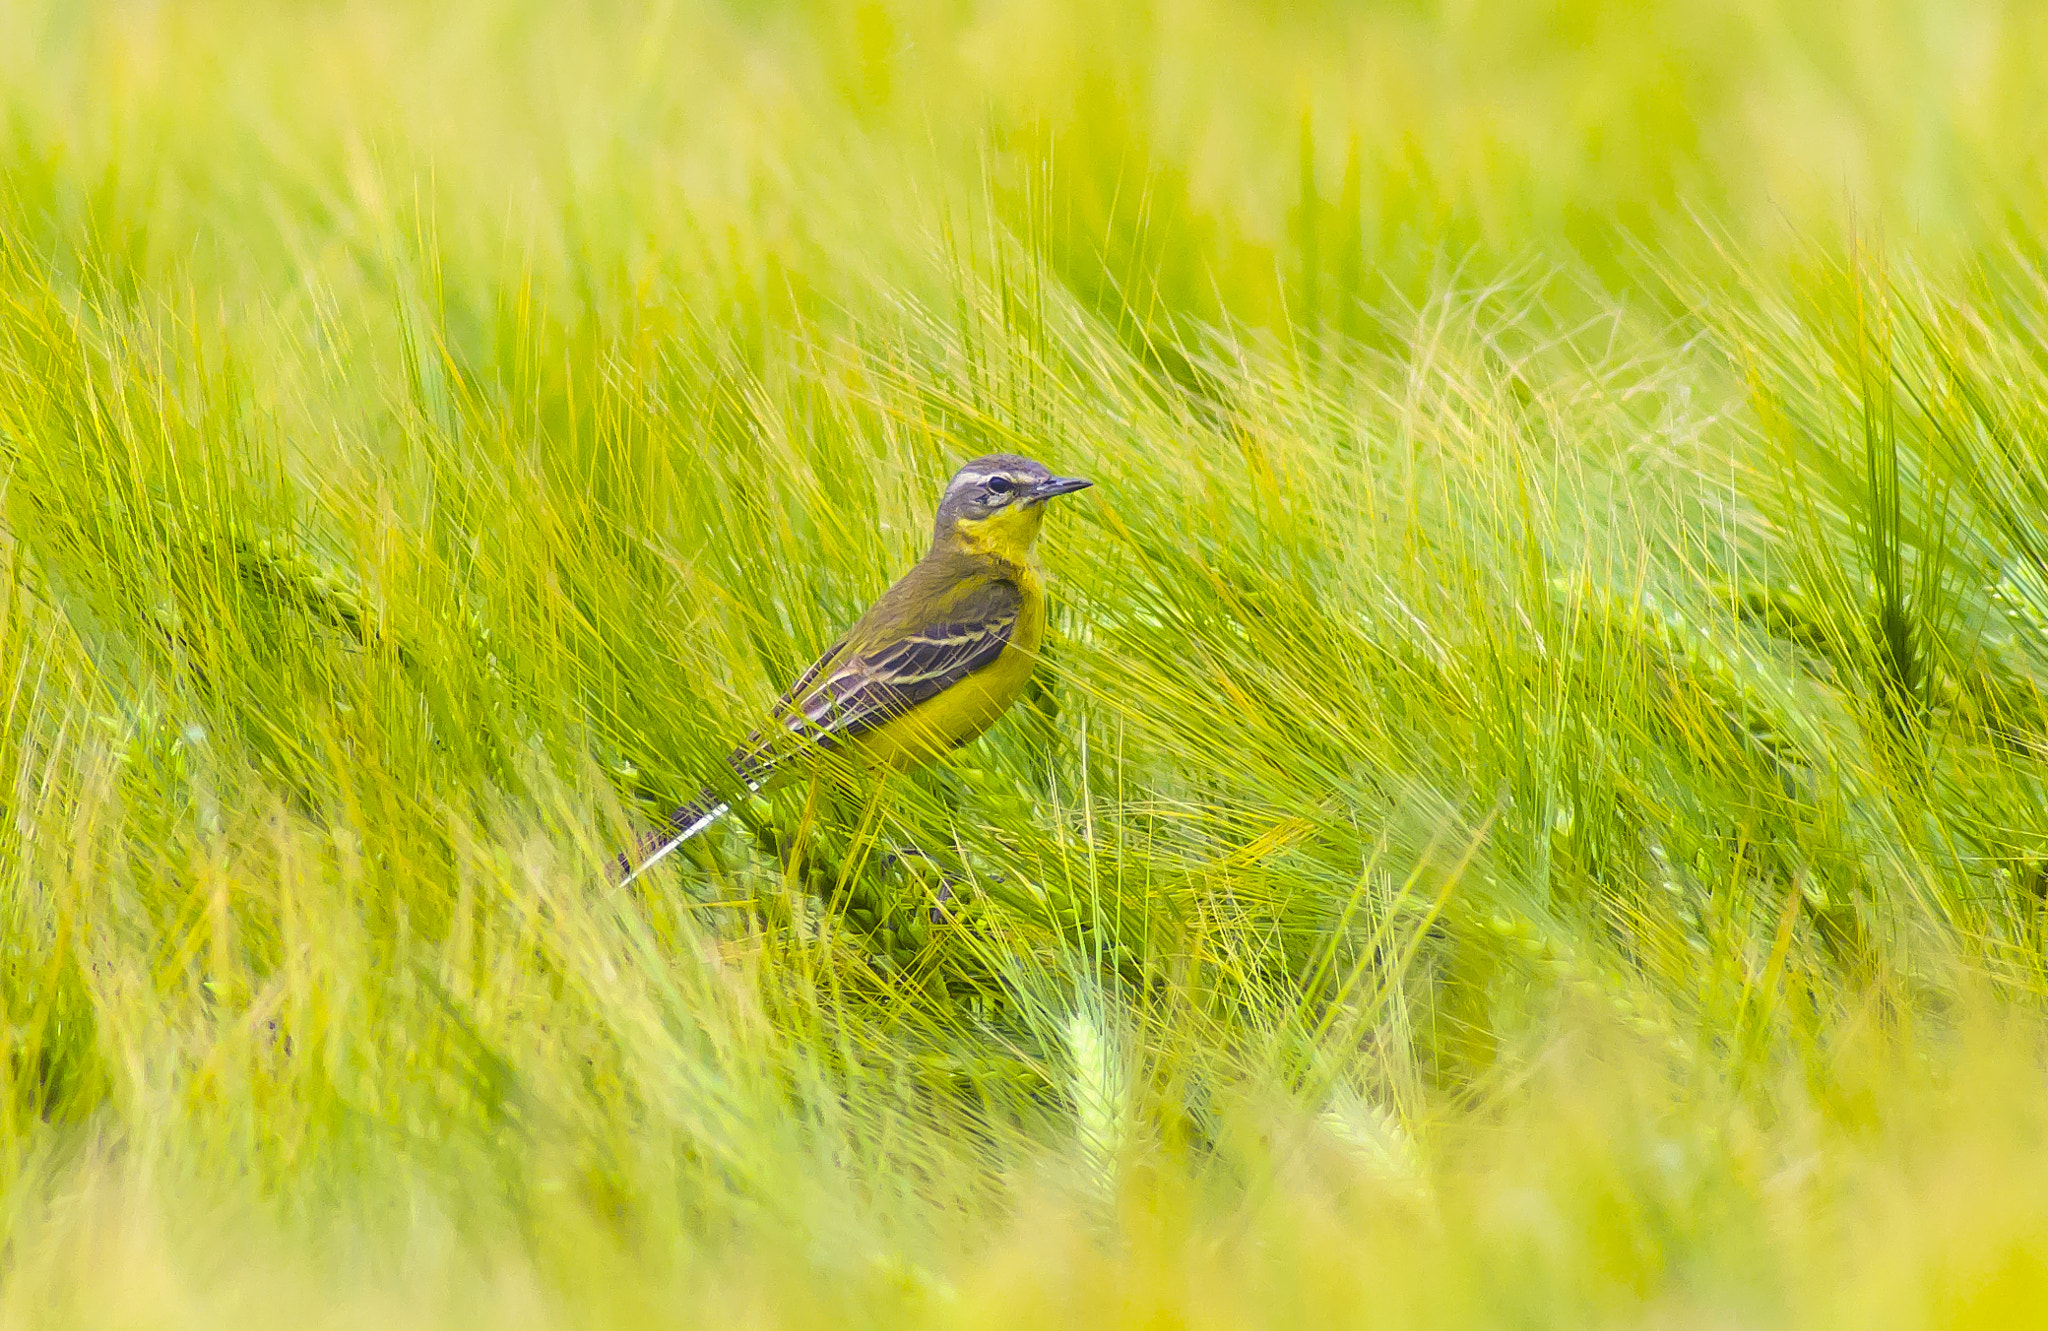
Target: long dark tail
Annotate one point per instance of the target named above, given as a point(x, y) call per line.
point(683, 824)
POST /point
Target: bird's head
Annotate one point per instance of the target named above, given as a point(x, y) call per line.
point(994, 505)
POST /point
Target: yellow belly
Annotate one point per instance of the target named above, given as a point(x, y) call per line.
point(962, 712)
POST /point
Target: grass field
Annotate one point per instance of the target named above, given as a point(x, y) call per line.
point(1536, 812)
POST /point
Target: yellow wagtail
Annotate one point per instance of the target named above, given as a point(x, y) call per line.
point(932, 663)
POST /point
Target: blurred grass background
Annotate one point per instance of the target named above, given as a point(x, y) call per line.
point(1535, 811)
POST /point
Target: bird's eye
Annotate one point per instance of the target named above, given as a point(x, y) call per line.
point(999, 485)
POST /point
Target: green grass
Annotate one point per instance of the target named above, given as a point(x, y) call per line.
point(1537, 811)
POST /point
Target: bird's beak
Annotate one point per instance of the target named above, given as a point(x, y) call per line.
point(1052, 487)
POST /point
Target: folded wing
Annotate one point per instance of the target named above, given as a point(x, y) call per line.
point(849, 694)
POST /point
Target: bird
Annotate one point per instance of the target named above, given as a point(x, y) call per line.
point(933, 662)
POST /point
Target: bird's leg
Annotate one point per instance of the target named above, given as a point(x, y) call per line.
point(905, 853)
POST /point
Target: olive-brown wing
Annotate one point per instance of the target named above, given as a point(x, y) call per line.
point(870, 687)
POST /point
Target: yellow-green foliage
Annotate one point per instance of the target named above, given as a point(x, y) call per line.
point(1533, 815)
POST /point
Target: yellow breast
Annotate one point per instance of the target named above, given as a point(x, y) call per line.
point(964, 711)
